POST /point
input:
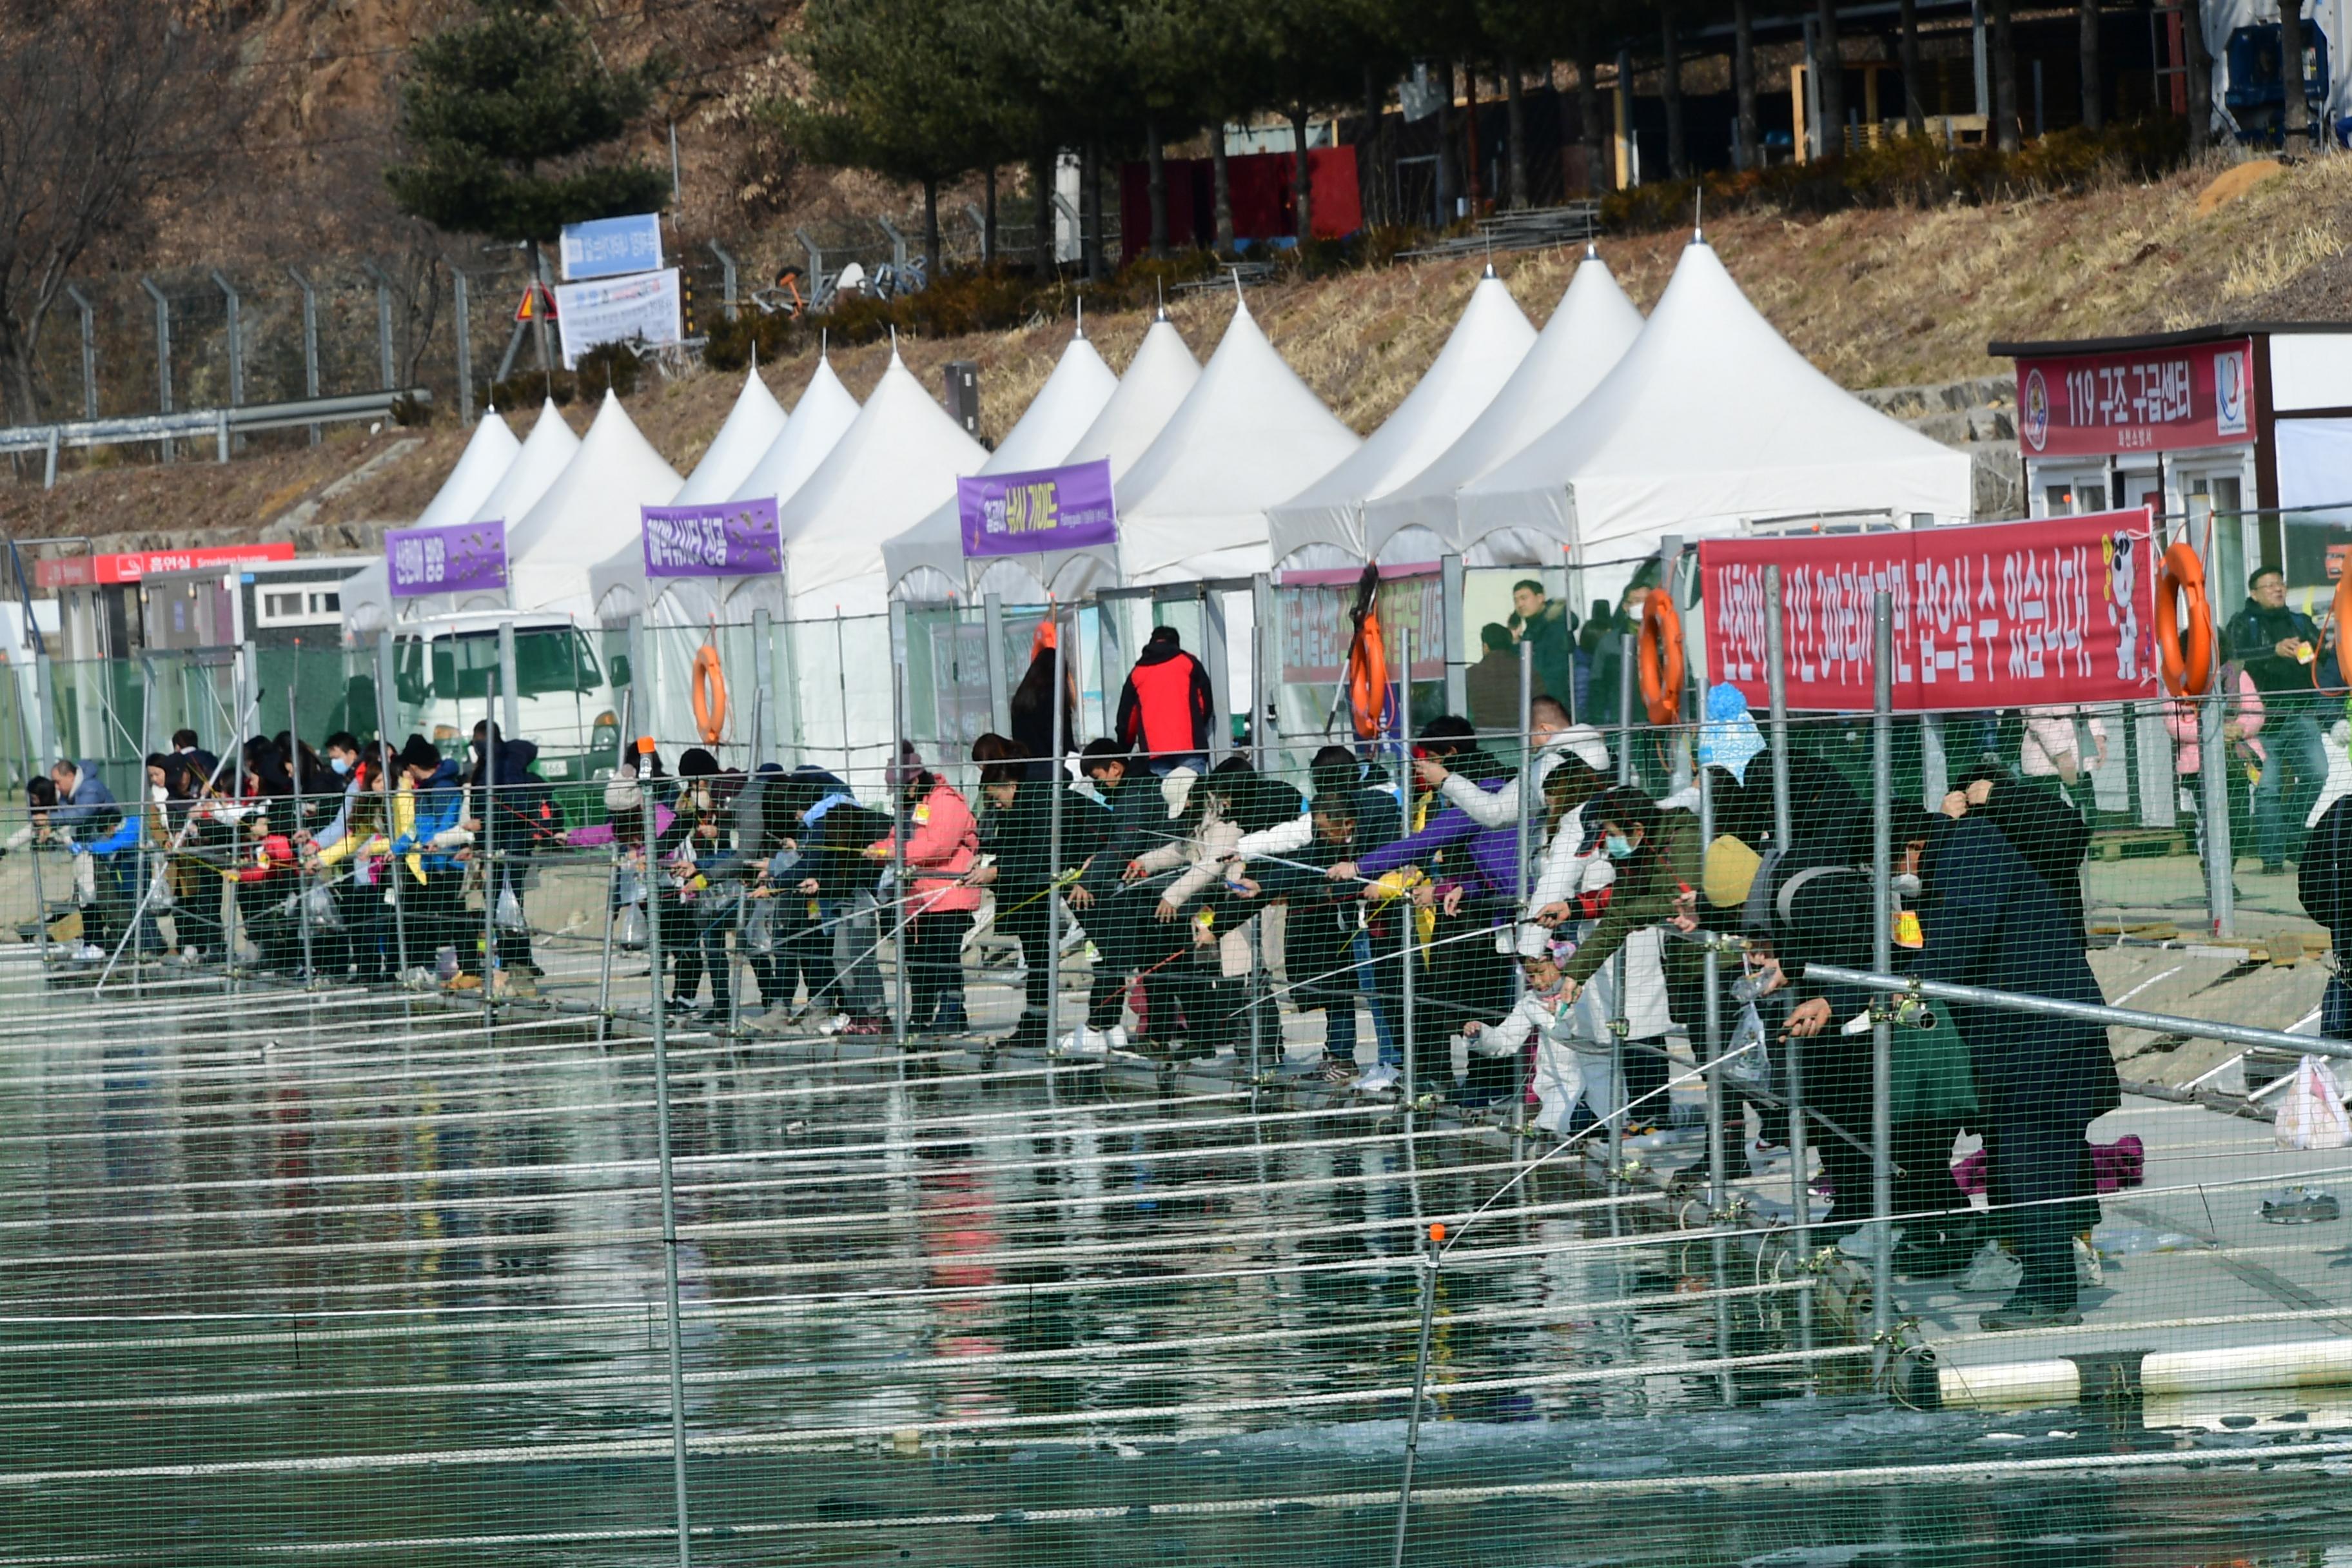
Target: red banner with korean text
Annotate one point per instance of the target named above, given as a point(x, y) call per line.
point(2136, 400)
point(2003, 615)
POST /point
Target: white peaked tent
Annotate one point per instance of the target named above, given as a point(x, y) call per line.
point(751, 427)
point(1248, 436)
point(616, 584)
point(1323, 525)
point(489, 451)
point(589, 512)
point(1709, 423)
point(822, 416)
point(1589, 331)
point(926, 563)
point(545, 451)
point(898, 460)
point(1158, 380)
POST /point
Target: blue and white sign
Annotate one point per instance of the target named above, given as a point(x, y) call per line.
point(610, 247)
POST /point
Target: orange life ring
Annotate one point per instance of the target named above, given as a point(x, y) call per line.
point(710, 695)
point(1367, 680)
point(2183, 575)
point(2339, 618)
point(1660, 654)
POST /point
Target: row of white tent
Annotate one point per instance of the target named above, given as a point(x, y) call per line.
point(1588, 440)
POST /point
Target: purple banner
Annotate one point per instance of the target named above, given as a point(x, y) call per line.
point(469, 558)
point(725, 538)
point(1045, 508)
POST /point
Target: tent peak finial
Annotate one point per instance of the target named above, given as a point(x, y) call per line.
point(1592, 250)
point(894, 346)
point(1699, 213)
point(1489, 270)
point(1082, 317)
point(1161, 284)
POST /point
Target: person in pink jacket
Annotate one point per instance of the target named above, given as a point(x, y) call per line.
point(2242, 721)
point(942, 843)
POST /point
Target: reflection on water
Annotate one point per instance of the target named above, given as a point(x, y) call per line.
point(382, 1295)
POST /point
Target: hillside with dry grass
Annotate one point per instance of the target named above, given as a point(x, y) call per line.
point(1875, 298)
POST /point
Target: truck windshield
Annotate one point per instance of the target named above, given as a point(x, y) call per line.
point(557, 659)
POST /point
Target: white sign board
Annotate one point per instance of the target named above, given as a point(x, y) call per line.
point(645, 305)
point(610, 247)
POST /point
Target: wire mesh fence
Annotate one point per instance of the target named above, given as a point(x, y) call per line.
point(1302, 1157)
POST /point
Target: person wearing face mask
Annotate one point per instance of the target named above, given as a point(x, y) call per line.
point(1655, 854)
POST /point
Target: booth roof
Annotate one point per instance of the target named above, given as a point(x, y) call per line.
point(750, 428)
point(1060, 413)
point(1249, 435)
point(1709, 421)
point(591, 511)
point(545, 451)
point(1487, 346)
point(897, 460)
point(818, 420)
point(489, 452)
point(1589, 331)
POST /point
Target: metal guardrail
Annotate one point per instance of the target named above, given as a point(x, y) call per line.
point(195, 423)
point(2083, 1012)
point(1534, 229)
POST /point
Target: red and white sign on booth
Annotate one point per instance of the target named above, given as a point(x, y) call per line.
point(2136, 400)
point(2004, 615)
point(86, 570)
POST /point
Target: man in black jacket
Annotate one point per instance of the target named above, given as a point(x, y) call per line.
point(1988, 921)
point(2280, 649)
point(2323, 881)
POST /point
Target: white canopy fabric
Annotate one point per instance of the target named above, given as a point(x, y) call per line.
point(1158, 380)
point(367, 601)
point(589, 512)
point(819, 419)
point(616, 584)
point(1249, 435)
point(926, 563)
point(1709, 423)
point(750, 428)
point(1323, 525)
point(898, 460)
point(1589, 331)
point(545, 451)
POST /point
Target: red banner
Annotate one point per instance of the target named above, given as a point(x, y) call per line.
point(2005, 615)
point(82, 570)
point(2136, 400)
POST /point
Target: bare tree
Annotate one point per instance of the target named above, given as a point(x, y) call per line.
point(102, 104)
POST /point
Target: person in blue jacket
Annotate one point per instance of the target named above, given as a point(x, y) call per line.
point(437, 911)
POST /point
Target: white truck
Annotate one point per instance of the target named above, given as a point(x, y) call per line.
point(445, 670)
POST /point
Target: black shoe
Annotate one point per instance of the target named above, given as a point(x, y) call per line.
point(2024, 1312)
point(1028, 1034)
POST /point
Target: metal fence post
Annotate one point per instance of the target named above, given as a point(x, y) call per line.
point(1457, 668)
point(509, 682)
point(89, 351)
point(1775, 678)
point(2213, 787)
point(302, 878)
point(1882, 950)
point(163, 354)
point(382, 321)
point(235, 339)
point(386, 715)
point(661, 1130)
point(461, 306)
point(1053, 954)
point(902, 814)
point(726, 278)
point(1000, 693)
point(310, 339)
point(485, 784)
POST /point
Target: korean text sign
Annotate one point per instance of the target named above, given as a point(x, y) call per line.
point(469, 558)
point(643, 306)
point(1044, 508)
point(2136, 400)
point(2006, 615)
point(724, 538)
point(610, 247)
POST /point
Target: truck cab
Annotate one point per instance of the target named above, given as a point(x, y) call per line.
point(445, 673)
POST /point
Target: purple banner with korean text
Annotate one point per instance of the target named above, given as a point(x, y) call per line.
point(1044, 508)
point(724, 538)
point(469, 558)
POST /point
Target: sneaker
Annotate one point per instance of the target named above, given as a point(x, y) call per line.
point(89, 952)
point(1994, 1271)
point(2089, 1270)
point(1377, 1079)
point(190, 957)
point(1337, 1073)
point(867, 1026)
point(1082, 1041)
point(1864, 1244)
point(1115, 1038)
point(2022, 1313)
point(839, 1024)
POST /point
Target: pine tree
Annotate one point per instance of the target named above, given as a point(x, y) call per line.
point(501, 113)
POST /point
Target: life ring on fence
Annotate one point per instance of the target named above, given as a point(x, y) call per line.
point(2182, 573)
point(2339, 618)
point(709, 691)
point(1367, 680)
point(1659, 657)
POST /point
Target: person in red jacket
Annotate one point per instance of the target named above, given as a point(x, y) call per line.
point(1167, 705)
